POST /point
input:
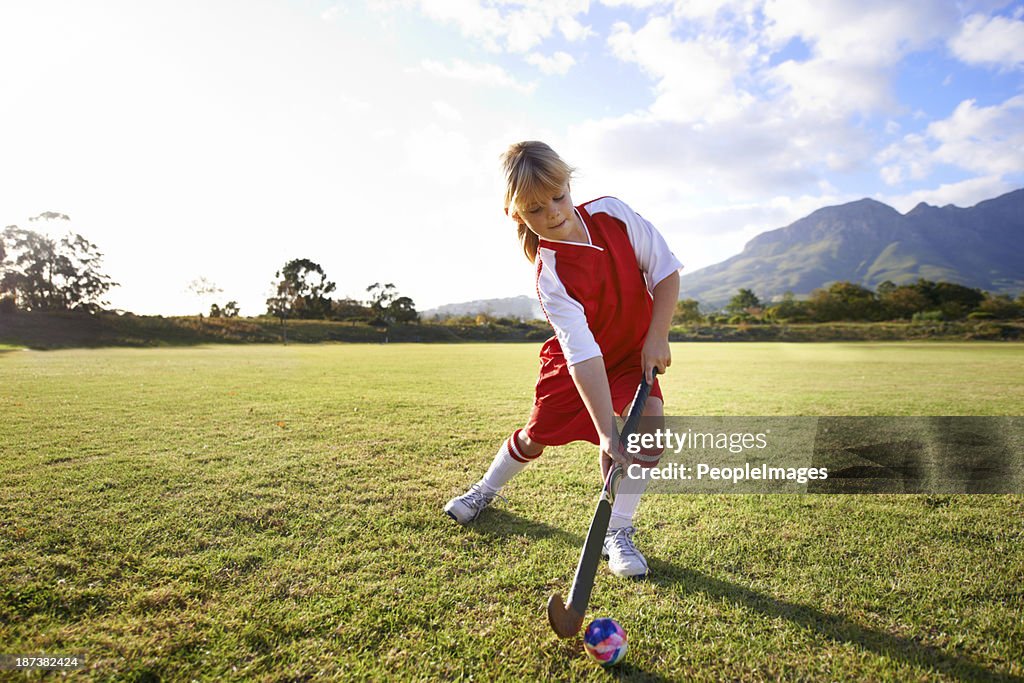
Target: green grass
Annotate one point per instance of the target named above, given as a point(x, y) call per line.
point(274, 513)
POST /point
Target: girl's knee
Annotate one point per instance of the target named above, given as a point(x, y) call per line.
point(528, 446)
point(654, 408)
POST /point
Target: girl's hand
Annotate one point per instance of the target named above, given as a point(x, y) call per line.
point(610, 449)
point(655, 354)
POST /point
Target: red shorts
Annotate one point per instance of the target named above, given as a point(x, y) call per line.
point(556, 425)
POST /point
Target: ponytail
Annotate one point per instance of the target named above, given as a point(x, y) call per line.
point(529, 240)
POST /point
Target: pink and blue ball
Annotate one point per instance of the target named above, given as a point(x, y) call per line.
point(605, 641)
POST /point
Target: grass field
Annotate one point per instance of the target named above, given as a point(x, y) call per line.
point(274, 513)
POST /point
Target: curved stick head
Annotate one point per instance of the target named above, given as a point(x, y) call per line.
point(565, 621)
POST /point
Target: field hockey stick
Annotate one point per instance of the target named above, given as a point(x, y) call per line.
point(566, 619)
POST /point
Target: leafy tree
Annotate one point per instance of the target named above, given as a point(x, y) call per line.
point(885, 288)
point(745, 301)
point(844, 301)
point(280, 304)
point(40, 273)
point(788, 310)
point(1001, 306)
point(381, 296)
point(304, 287)
point(955, 301)
point(903, 301)
point(230, 310)
point(687, 312)
point(403, 310)
point(349, 309)
point(7, 303)
point(388, 307)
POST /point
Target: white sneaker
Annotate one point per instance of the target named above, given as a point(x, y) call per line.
point(467, 507)
point(623, 558)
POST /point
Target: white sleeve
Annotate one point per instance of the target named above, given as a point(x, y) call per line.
point(565, 314)
point(653, 255)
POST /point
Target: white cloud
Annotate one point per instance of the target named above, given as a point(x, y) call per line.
point(557, 64)
point(756, 155)
point(572, 30)
point(446, 111)
point(964, 193)
point(908, 159)
point(831, 88)
point(635, 4)
point(986, 140)
point(982, 139)
point(853, 49)
point(515, 27)
point(723, 123)
point(986, 40)
point(472, 18)
point(695, 78)
point(866, 33)
point(527, 28)
point(477, 74)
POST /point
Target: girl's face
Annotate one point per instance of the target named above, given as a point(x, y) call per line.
point(554, 219)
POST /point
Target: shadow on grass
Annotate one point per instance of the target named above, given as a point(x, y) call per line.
point(834, 627)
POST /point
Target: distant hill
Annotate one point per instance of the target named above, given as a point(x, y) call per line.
point(868, 242)
point(521, 307)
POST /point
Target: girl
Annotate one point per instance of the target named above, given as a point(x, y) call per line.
point(608, 284)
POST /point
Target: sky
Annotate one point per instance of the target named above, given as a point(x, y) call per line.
point(220, 139)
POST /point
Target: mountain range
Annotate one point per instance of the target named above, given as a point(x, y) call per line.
point(521, 307)
point(865, 242)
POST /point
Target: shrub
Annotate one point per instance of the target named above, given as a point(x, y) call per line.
point(929, 317)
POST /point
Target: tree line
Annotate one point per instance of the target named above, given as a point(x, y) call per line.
point(922, 301)
point(40, 273)
point(301, 291)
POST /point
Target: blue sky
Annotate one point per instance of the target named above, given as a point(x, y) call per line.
point(221, 139)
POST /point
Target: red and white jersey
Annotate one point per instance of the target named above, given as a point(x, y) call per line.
point(597, 296)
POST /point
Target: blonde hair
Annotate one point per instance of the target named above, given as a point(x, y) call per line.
point(533, 174)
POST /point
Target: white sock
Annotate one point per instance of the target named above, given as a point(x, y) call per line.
point(626, 501)
point(508, 462)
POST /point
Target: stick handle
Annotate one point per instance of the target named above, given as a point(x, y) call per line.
point(637, 409)
point(586, 569)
